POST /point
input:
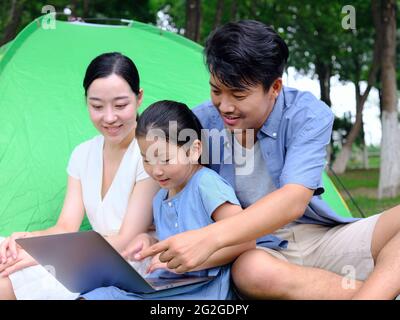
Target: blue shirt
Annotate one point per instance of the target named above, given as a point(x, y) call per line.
point(293, 142)
point(190, 209)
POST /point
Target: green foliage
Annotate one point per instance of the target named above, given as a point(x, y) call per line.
point(141, 10)
point(362, 185)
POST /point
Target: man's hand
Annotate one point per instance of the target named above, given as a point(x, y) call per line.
point(183, 252)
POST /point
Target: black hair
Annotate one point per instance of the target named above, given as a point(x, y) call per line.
point(107, 64)
point(161, 114)
point(246, 53)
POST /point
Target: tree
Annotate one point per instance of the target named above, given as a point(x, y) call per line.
point(193, 19)
point(353, 62)
point(218, 14)
point(389, 176)
point(11, 29)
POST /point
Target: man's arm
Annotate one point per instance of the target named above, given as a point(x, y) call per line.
point(188, 250)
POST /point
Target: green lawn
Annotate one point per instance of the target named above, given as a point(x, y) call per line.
point(362, 185)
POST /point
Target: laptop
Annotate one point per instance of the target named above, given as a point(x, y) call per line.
point(84, 261)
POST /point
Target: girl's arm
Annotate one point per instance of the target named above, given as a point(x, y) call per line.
point(228, 254)
point(222, 256)
point(139, 214)
point(186, 251)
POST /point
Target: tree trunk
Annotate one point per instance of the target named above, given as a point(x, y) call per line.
point(218, 13)
point(11, 29)
point(365, 163)
point(193, 19)
point(253, 9)
point(324, 76)
point(389, 177)
point(340, 163)
point(234, 10)
point(339, 166)
point(365, 158)
point(85, 8)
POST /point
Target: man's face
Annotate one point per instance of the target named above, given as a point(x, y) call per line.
point(244, 109)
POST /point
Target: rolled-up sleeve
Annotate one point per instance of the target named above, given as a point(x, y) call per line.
point(305, 157)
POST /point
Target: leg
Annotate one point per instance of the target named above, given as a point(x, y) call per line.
point(259, 275)
point(6, 289)
point(384, 281)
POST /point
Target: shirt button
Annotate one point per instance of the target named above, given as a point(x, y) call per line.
point(170, 204)
point(274, 134)
point(176, 225)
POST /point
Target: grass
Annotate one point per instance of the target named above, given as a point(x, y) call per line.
point(362, 185)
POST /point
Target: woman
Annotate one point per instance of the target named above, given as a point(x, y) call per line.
point(106, 180)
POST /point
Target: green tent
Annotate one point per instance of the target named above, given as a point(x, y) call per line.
point(43, 112)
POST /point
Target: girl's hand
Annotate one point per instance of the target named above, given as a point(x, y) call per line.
point(141, 242)
point(22, 261)
point(156, 264)
point(9, 248)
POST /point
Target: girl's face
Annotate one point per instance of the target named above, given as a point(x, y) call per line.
point(168, 164)
point(113, 107)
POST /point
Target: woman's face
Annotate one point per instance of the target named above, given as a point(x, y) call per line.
point(113, 107)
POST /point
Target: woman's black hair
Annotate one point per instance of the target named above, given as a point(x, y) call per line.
point(176, 122)
point(107, 64)
point(246, 53)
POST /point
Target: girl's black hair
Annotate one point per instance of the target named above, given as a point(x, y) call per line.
point(107, 64)
point(171, 118)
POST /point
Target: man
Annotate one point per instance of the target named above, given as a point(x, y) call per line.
point(304, 249)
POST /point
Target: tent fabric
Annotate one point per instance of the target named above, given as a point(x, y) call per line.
point(43, 111)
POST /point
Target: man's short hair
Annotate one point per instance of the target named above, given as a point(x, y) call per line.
point(246, 53)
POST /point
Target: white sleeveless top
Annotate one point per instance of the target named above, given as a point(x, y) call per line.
point(86, 164)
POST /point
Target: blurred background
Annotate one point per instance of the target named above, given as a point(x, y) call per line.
point(344, 52)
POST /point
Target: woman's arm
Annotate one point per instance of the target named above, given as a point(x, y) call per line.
point(70, 219)
point(72, 213)
point(139, 214)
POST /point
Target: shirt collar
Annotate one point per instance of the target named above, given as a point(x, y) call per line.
point(271, 125)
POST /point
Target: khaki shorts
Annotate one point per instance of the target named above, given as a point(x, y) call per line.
point(344, 249)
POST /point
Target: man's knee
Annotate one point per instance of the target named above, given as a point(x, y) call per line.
point(257, 274)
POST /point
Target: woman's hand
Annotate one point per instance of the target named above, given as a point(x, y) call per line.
point(156, 264)
point(9, 249)
point(183, 252)
point(141, 242)
point(22, 261)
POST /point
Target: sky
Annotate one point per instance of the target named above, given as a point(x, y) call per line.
point(343, 100)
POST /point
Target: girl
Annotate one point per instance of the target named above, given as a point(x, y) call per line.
point(192, 196)
point(105, 179)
